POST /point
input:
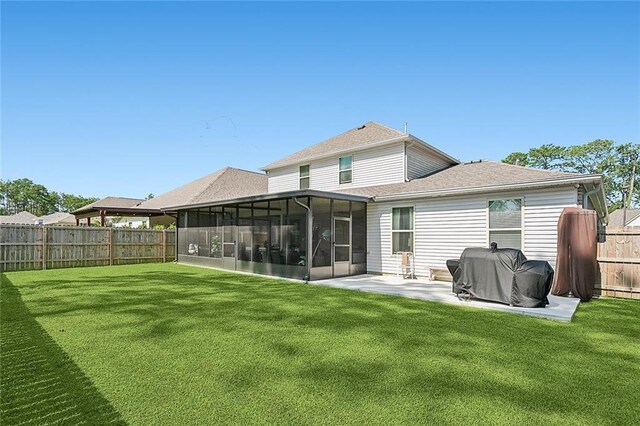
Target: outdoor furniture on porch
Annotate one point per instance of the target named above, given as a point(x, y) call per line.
point(406, 265)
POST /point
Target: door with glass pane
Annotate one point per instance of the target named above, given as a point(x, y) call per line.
point(341, 246)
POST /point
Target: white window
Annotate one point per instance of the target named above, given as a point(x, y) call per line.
point(304, 177)
point(346, 169)
point(402, 229)
point(505, 223)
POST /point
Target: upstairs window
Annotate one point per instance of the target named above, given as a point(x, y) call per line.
point(304, 177)
point(505, 223)
point(402, 229)
point(346, 164)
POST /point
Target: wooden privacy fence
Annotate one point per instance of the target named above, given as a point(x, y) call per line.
point(619, 262)
point(24, 247)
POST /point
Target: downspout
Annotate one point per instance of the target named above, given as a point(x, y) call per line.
point(404, 164)
point(598, 188)
point(407, 144)
point(309, 233)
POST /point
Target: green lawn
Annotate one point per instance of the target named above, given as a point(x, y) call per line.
point(172, 344)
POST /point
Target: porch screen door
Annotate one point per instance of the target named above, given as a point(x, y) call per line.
point(341, 246)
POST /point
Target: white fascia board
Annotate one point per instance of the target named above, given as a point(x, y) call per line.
point(434, 149)
point(596, 179)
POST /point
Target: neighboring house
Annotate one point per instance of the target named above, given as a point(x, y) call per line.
point(22, 218)
point(128, 221)
point(353, 203)
point(58, 218)
point(617, 218)
point(26, 218)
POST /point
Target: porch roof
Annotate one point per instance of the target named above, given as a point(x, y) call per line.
point(273, 196)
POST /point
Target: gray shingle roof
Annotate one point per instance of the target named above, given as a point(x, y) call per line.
point(23, 218)
point(615, 217)
point(58, 217)
point(368, 134)
point(109, 203)
point(228, 183)
point(474, 175)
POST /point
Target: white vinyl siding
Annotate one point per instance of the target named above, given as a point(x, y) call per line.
point(375, 166)
point(285, 179)
point(541, 213)
point(445, 226)
point(422, 162)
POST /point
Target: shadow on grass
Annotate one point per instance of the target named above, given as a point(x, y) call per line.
point(362, 346)
point(40, 382)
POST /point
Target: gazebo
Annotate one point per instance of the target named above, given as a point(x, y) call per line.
point(114, 206)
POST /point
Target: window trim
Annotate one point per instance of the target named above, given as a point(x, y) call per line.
point(307, 177)
point(345, 170)
point(521, 229)
point(412, 230)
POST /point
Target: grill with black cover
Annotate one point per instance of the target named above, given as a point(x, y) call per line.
point(503, 276)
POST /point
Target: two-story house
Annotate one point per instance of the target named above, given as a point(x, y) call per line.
point(350, 204)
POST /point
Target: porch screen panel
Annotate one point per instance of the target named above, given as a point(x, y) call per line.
point(358, 232)
point(229, 222)
point(296, 233)
point(261, 241)
point(321, 239)
point(215, 244)
point(277, 212)
point(245, 231)
point(204, 240)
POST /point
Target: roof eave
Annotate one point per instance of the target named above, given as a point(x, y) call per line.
point(271, 196)
point(338, 152)
point(117, 210)
point(488, 188)
point(599, 199)
point(434, 149)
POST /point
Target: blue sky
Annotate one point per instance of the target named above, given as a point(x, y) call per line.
point(109, 98)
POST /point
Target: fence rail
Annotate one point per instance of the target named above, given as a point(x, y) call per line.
point(619, 263)
point(24, 247)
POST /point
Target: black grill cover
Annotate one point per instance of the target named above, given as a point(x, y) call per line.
point(504, 276)
point(532, 284)
point(453, 265)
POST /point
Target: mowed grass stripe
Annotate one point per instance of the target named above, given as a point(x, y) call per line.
point(172, 344)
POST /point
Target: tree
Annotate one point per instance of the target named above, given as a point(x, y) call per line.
point(4, 197)
point(601, 156)
point(517, 158)
point(150, 196)
point(70, 202)
point(23, 194)
point(548, 157)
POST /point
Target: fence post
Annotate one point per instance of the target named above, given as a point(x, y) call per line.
point(44, 247)
point(164, 245)
point(110, 246)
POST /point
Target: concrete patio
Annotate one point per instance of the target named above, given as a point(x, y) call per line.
point(558, 309)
